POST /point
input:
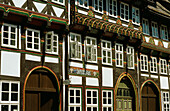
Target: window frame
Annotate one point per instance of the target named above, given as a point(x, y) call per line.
point(52, 40)
point(98, 10)
point(147, 30)
point(136, 15)
point(92, 105)
point(107, 50)
point(9, 35)
point(166, 31)
point(144, 56)
point(9, 103)
point(107, 105)
point(154, 67)
point(78, 43)
point(119, 52)
point(75, 105)
point(165, 102)
point(78, 3)
point(125, 4)
point(39, 45)
point(54, 1)
point(132, 54)
point(113, 5)
point(154, 33)
point(165, 65)
point(92, 47)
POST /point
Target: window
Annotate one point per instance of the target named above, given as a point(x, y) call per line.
point(98, 5)
point(113, 7)
point(74, 99)
point(84, 3)
point(163, 66)
point(91, 49)
point(106, 52)
point(52, 43)
point(135, 15)
point(164, 32)
point(153, 65)
point(33, 40)
point(144, 62)
point(107, 100)
point(9, 96)
point(145, 26)
point(59, 1)
point(9, 35)
point(154, 29)
point(75, 46)
point(124, 11)
point(91, 100)
point(130, 57)
point(165, 101)
point(119, 55)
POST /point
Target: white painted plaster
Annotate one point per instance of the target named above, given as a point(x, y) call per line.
point(75, 80)
point(92, 81)
point(156, 42)
point(58, 11)
point(19, 3)
point(147, 39)
point(165, 44)
point(126, 25)
point(74, 64)
point(39, 6)
point(82, 12)
point(99, 17)
point(32, 57)
point(113, 21)
point(153, 76)
point(51, 60)
point(146, 75)
point(107, 77)
point(93, 67)
point(164, 82)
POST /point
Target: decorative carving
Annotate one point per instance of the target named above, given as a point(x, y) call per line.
point(160, 43)
point(105, 17)
point(118, 21)
point(151, 40)
point(130, 25)
point(140, 28)
point(90, 13)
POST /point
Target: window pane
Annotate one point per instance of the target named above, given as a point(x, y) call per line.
point(5, 86)
point(5, 96)
point(14, 96)
point(5, 108)
point(14, 108)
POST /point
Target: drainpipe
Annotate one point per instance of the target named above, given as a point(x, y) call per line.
point(63, 73)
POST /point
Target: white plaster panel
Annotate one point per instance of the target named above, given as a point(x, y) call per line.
point(99, 17)
point(156, 42)
point(107, 77)
point(32, 57)
point(146, 75)
point(74, 64)
point(58, 11)
point(147, 39)
point(136, 28)
point(51, 60)
point(39, 6)
point(153, 76)
point(75, 80)
point(126, 25)
point(82, 12)
point(19, 3)
point(93, 67)
point(113, 21)
point(10, 63)
point(164, 83)
point(165, 44)
point(92, 81)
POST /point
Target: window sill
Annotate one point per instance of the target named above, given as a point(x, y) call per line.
point(76, 59)
point(33, 50)
point(8, 46)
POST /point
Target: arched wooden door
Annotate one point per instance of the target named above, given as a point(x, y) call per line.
point(41, 92)
point(150, 97)
point(125, 98)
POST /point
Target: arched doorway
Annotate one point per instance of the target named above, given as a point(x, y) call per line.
point(125, 96)
point(41, 91)
point(150, 97)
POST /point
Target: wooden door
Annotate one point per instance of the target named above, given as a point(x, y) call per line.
point(32, 101)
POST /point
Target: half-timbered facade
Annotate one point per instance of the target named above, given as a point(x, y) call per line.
point(84, 55)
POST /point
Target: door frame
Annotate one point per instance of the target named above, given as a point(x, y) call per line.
point(149, 80)
point(125, 74)
point(27, 77)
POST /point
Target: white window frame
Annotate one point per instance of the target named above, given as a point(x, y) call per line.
point(75, 104)
point(119, 52)
point(154, 29)
point(113, 6)
point(164, 66)
point(9, 35)
point(124, 12)
point(97, 10)
point(145, 23)
point(130, 53)
point(107, 105)
point(165, 101)
point(9, 103)
point(165, 32)
point(51, 51)
point(58, 1)
point(137, 18)
point(83, 5)
point(107, 50)
point(78, 44)
point(92, 105)
point(153, 65)
point(145, 63)
point(93, 47)
point(32, 49)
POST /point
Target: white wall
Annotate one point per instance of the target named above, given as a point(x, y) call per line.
point(107, 77)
